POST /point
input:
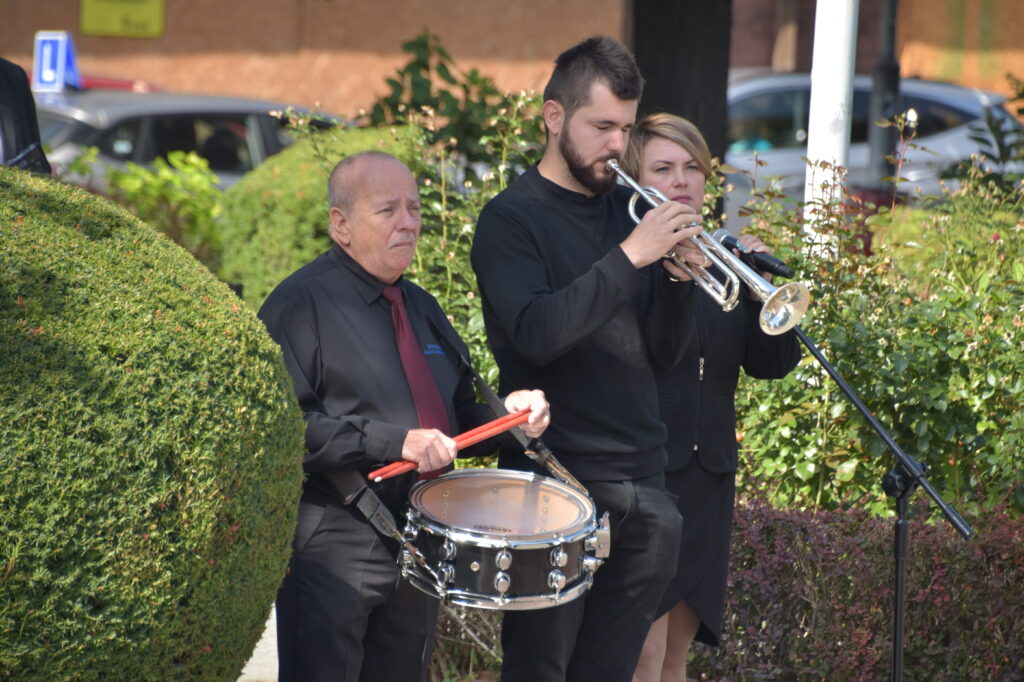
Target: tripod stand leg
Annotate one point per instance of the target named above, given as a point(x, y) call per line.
point(898, 486)
point(900, 565)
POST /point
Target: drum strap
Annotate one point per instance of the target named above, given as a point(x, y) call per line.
point(351, 487)
point(379, 516)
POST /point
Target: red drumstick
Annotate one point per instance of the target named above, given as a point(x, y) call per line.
point(463, 440)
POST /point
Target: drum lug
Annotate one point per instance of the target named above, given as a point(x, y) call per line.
point(559, 558)
point(503, 560)
point(600, 543)
point(556, 580)
point(412, 529)
point(591, 564)
point(448, 550)
point(502, 582)
point(447, 572)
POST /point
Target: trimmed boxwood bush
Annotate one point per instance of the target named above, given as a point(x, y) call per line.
point(150, 450)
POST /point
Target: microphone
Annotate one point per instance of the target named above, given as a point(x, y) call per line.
point(755, 259)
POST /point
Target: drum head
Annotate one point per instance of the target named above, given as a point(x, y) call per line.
point(499, 502)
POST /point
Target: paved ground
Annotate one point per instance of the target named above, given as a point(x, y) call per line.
point(262, 667)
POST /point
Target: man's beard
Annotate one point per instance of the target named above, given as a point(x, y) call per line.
point(583, 172)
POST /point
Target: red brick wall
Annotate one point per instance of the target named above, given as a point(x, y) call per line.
point(970, 42)
point(335, 52)
point(338, 52)
point(753, 33)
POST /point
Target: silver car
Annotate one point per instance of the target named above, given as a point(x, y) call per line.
point(768, 115)
point(234, 135)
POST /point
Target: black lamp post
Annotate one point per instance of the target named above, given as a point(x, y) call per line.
point(884, 103)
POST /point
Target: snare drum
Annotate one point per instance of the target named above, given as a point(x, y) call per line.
point(500, 539)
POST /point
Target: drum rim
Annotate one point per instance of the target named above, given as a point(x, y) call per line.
point(440, 527)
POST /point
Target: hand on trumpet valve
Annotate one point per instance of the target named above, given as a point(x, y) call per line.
point(659, 231)
point(688, 252)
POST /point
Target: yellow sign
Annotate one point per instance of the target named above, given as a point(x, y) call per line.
point(122, 18)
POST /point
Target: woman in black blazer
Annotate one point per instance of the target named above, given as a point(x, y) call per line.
point(697, 405)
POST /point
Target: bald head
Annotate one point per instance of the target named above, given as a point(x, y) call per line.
point(346, 180)
point(375, 213)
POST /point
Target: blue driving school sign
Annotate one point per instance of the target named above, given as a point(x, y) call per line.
point(53, 62)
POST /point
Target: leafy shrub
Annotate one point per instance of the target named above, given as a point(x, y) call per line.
point(1000, 152)
point(178, 196)
point(468, 645)
point(450, 211)
point(462, 104)
point(925, 331)
point(149, 450)
point(810, 597)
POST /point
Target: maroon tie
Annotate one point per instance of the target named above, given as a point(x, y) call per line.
point(429, 407)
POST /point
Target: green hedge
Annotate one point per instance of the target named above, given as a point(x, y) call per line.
point(810, 598)
point(150, 450)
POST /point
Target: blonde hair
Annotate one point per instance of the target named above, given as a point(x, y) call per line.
point(672, 128)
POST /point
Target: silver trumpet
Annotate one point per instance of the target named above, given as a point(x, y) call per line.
point(783, 307)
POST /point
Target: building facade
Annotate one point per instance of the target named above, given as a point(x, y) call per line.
point(338, 53)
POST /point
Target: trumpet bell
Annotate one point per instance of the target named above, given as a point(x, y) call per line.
point(784, 308)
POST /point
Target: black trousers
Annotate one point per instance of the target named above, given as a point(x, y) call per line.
point(343, 612)
point(599, 636)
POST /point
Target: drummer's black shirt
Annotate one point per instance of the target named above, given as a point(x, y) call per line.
point(335, 332)
point(567, 312)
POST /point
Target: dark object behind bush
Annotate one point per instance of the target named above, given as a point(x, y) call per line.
point(150, 450)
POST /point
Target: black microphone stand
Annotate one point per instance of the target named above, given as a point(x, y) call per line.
point(899, 483)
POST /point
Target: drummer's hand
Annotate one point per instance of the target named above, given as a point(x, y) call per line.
point(429, 449)
point(537, 404)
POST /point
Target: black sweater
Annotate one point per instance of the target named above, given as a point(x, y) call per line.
point(566, 312)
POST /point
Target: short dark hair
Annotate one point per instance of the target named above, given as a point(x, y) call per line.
point(599, 58)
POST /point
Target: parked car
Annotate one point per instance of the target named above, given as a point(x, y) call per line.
point(768, 115)
point(234, 135)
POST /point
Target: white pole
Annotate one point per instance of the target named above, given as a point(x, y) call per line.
point(828, 130)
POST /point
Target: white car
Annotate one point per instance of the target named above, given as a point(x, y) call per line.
point(768, 114)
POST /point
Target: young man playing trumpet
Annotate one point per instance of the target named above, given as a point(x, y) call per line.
point(579, 302)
